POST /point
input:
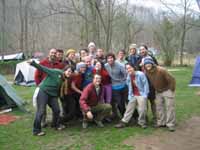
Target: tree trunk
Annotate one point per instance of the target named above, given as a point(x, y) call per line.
point(21, 39)
point(93, 13)
point(108, 26)
point(183, 33)
point(3, 28)
point(86, 23)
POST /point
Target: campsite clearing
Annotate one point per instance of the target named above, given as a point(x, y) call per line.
point(18, 135)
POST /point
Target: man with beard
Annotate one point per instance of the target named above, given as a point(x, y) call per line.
point(49, 62)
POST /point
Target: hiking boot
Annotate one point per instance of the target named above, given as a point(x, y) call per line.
point(84, 124)
point(120, 125)
point(39, 133)
point(99, 124)
point(171, 129)
point(60, 127)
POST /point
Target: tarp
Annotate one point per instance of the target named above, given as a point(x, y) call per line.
point(195, 82)
point(198, 3)
point(16, 56)
point(24, 74)
point(8, 95)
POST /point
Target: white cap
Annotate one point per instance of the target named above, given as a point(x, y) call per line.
point(91, 44)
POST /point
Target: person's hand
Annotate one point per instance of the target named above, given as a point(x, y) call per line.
point(29, 61)
point(89, 115)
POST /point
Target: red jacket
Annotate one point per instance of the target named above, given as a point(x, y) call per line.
point(78, 79)
point(39, 75)
point(89, 97)
point(104, 75)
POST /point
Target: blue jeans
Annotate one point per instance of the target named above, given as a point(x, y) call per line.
point(42, 100)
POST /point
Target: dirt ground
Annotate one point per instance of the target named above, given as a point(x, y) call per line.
point(186, 137)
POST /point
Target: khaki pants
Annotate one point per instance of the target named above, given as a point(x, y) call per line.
point(100, 111)
point(141, 104)
point(165, 108)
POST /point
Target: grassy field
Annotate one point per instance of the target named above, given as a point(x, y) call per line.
point(18, 135)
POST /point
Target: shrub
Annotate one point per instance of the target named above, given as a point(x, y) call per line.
point(8, 67)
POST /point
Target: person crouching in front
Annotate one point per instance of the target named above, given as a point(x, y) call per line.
point(92, 103)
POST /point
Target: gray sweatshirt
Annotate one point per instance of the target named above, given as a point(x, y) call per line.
point(118, 75)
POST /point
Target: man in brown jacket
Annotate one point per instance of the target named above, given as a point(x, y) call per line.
point(164, 85)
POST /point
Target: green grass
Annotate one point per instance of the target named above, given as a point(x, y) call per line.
point(18, 135)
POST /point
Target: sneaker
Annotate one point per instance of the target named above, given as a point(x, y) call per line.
point(120, 125)
point(99, 124)
point(60, 127)
point(171, 129)
point(39, 133)
point(84, 124)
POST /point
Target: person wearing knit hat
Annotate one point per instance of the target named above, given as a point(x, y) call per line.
point(148, 60)
point(70, 51)
point(164, 85)
point(91, 44)
point(92, 49)
point(80, 65)
point(131, 46)
point(70, 58)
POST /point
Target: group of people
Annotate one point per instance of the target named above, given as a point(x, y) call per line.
point(99, 87)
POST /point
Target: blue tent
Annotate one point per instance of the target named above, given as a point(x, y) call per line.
point(195, 82)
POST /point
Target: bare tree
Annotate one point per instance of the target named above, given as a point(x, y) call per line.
point(185, 6)
point(21, 38)
point(3, 40)
point(166, 36)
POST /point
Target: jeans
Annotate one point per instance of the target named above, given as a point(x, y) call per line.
point(42, 100)
point(119, 100)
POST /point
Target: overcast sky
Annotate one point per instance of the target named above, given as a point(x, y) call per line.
point(157, 5)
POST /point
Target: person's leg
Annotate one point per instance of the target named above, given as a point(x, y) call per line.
point(153, 109)
point(42, 100)
point(53, 103)
point(129, 111)
point(160, 110)
point(142, 109)
point(116, 97)
point(108, 93)
point(170, 108)
point(78, 109)
point(123, 100)
point(69, 107)
point(85, 121)
point(151, 98)
point(44, 118)
point(101, 111)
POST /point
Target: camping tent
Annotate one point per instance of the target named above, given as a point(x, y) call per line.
point(8, 96)
point(195, 82)
point(24, 74)
point(17, 56)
